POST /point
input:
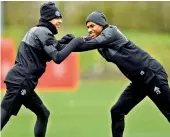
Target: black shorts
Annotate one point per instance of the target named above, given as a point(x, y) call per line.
point(18, 95)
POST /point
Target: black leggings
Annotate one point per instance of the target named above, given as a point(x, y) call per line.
point(4, 117)
point(42, 114)
point(157, 90)
point(42, 120)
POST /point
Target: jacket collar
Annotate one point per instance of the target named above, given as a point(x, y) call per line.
point(48, 25)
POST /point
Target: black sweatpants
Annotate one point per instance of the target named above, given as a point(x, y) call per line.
point(157, 90)
point(18, 95)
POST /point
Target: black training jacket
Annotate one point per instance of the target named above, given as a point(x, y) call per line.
point(37, 47)
point(135, 63)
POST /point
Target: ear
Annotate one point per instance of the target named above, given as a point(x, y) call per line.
point(101, 28)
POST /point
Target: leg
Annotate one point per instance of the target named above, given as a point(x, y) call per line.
point(159, 93)
point(10, 104)
point(35, 104)
point(5, 116)
point(129, 98)
point(162, 101)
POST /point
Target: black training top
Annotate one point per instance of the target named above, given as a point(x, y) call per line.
point(135, 63)
point(37, 47)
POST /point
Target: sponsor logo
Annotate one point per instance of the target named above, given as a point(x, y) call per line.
point(23, 92)
point(142, 73)
point(157, 90)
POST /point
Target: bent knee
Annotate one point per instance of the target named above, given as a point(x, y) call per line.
point(115, 111)
point(45, 113)
point(116, 114)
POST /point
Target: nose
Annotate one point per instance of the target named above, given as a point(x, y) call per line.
point(60, 21)
point(89, 30)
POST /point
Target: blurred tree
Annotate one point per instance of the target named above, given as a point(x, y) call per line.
point(153, 16)
point(21, 13)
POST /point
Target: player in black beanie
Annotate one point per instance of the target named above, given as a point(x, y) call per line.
point(50, 16)
point(148, 77)
point(38, 47)
point(49, 11)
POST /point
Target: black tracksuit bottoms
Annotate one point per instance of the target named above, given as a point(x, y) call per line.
point(157, 90)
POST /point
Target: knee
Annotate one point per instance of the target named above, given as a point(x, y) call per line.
point(116, 114)
point(44, 113)
point(47, 114)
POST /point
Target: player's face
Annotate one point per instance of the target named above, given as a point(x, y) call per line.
point(93, 29)
point(56, 22)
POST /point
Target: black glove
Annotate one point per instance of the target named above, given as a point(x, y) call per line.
point(66, 39)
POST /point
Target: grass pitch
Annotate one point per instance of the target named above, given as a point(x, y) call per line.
point(86, 113)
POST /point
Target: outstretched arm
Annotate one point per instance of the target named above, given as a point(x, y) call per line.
point(101, 41)
point(89, 45)
point(109, 37)
point(58, 56)
point(50, 43)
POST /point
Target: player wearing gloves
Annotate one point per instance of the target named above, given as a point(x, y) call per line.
point(36, 48)
point(147, 75)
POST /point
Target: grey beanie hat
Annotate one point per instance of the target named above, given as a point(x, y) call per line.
point(97, 17)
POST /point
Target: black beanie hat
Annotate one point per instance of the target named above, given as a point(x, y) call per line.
point(49, 11)
point(97, 17)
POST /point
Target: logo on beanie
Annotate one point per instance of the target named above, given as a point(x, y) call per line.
point(57, 13)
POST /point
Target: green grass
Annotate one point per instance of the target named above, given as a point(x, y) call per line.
point(86, 113)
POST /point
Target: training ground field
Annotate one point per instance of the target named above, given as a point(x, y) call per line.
point(86, 113)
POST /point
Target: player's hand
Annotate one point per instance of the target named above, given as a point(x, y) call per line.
point(67, 38)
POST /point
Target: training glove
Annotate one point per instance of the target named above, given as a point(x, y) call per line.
point(66, 39)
